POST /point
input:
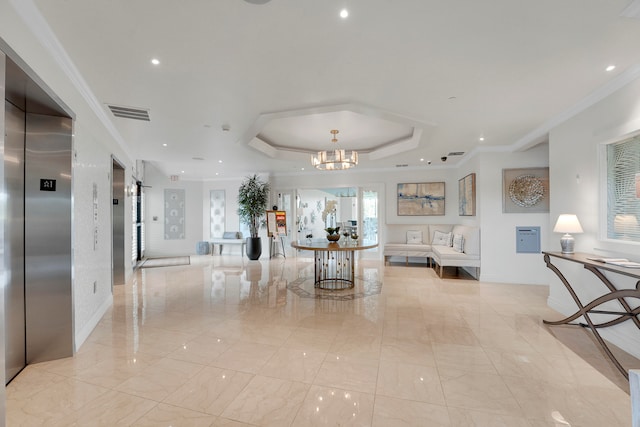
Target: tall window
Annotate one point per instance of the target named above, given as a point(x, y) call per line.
point(137, 223)
point(134, 229)
point(623, 198)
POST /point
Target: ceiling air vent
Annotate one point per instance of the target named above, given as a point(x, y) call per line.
point(130, 112)
point(402, 166)
point(456, 153)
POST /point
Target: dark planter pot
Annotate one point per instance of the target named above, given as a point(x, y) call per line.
point(254, 247)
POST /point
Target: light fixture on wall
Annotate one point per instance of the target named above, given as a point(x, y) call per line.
point(567, 223)
point(337, 159)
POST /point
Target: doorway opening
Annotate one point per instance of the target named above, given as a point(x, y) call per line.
point(117, 222)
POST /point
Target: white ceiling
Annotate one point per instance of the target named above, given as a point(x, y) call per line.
point(403, 80)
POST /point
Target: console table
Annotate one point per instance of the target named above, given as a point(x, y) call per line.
point(334, 262)
point(622, 296)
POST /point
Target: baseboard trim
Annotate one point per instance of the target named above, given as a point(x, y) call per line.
point(83, 334)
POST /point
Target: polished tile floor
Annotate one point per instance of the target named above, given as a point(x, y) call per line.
point(229, 342)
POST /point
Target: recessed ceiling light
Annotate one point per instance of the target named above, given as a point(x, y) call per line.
point(344, 13)
point(219, 161)
point(155, 61)
point(422, 160)
point(301, 169)
point(216, 173)
point(182, 171)
point(164, 145)
point(482, 138)
point(610, 68)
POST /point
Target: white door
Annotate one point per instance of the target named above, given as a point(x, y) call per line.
point(368, 223)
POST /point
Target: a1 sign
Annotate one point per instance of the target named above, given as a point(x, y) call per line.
point(47, 185)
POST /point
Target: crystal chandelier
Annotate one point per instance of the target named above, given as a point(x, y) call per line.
point(335, 159)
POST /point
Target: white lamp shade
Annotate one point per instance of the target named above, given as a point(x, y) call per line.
point(567, 223)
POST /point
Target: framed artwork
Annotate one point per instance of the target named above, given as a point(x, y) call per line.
point(217, 203)
point(525, 190)
point(174, 217)
point(467, 195)
point(425, 198)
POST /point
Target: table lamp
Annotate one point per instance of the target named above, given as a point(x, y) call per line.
point(567, 223)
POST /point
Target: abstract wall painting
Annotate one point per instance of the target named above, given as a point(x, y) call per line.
point(467, 195)
point(424, 198)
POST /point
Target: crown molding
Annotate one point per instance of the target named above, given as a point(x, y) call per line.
point(541, 133)
point(39, 27)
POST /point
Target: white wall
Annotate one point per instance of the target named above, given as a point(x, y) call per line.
point(231, 218)
point(575, 177)
point(91, 263)
point(197, 213)
point(500, 262)
point(156, 245)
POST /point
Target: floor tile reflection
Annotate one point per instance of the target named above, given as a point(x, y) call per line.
point(230, 342)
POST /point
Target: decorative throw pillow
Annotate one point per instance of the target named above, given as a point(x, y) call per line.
point(414, 237)
point(458, 242)
point(441, 239)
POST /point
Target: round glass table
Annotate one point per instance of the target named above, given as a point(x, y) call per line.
point(334, 261)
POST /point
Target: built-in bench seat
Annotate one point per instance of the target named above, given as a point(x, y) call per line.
point(465, 255)
point(229, 238)
point(406, 251)
point(435, 242)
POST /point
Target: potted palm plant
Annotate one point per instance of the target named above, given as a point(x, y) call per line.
point(253, 196)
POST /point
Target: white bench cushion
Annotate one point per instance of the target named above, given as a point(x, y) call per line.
point(447, 252)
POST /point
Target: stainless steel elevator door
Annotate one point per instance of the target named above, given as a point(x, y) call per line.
point(14, 233)
point(48, 260)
